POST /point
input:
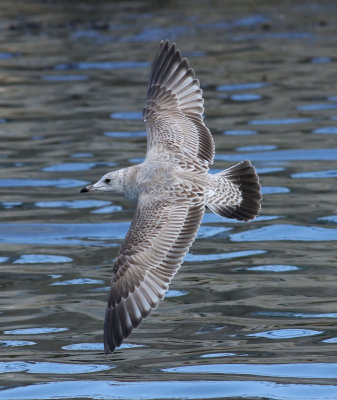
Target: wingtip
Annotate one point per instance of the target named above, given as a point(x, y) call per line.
point(169, 45)
point(167, 41)
point(108, 350)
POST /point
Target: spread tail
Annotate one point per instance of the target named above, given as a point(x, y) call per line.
point(236, 193)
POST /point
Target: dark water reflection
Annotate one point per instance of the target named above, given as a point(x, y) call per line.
point(252, 312)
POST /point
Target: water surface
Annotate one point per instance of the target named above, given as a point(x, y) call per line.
point(252, 313)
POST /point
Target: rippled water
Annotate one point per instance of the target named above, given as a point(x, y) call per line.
point(252, 313)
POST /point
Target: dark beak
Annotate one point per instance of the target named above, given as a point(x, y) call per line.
point(84, 190)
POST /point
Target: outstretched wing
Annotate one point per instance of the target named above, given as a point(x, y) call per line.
point(173, 113)
point(154, 247)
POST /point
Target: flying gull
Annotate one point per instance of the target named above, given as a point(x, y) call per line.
point(171, 187)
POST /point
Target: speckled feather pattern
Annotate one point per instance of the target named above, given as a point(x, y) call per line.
point(172, 187)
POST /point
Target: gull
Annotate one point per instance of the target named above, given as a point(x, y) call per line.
point(171, 188)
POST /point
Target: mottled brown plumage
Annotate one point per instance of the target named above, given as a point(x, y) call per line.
point(171, 187)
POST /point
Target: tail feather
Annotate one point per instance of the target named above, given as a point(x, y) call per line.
point(245, 202)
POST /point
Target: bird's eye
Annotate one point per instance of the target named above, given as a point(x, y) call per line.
point(107, 180)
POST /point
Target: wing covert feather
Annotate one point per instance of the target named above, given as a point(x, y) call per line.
point(155, 245)
point(173, 112)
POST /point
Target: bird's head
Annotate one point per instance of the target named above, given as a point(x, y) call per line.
point(105, 184)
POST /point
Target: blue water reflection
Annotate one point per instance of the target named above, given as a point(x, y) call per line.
point(246, 97)
point(243, 86)
point(218, 355)
point(11, 204)
point(190, 257)
point(107, 210)
point(65, 234)
point(107, 65)
point(73, 204)
point(285, 333)
point(259, 147)
point(240, 132)
point(168, 389)
point(15, 343)
point(34, 331)
point(79, 281)
point(6, 55)
point(284, 121)
point(125, 134)
point(82, 155)
point(156, 34)
point(211, 217)
point(290, 314)
point(284, 155)
point(296, 370)
point(268, 170)
point(59, 183)
point(331, 340)
point(96, 346)
point(102, 234)
point(286, 232)
point(330, 218)
point(274, 190)
point(321, 60)
point(50, 368)
point(126, 115)
point(316, 107)
point(326, 130)
point(272, 268)
point(42, 259)
point(175, 293)
point(64, 78)
point(316, 174)
point(76, 166)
